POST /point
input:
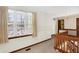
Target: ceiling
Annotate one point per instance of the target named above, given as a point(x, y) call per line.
point(54, 10)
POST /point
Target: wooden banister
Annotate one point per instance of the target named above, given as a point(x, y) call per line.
point(66, 44)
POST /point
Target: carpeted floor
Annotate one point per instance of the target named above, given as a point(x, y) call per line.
point(45, 47)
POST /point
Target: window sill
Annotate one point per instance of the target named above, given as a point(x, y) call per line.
point(20, 36)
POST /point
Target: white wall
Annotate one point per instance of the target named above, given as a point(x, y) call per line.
point(45, 24)
point(69, 21)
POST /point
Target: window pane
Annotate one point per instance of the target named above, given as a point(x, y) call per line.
point(18, 23)
point(11, 19)
point(10, 30)
point(23, 23)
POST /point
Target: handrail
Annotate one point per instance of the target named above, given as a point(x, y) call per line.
point(65, 43)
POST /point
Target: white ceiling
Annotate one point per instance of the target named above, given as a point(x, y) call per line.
point(54, 10)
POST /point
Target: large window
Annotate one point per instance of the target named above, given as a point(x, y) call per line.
point(19, 23)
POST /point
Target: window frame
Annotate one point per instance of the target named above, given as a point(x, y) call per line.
point(20, 36)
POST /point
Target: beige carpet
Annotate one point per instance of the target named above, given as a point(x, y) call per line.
point(45, 47)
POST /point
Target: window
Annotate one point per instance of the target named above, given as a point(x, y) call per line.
point(19, 23)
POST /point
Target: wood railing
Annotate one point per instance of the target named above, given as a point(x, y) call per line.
point(66, 44)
